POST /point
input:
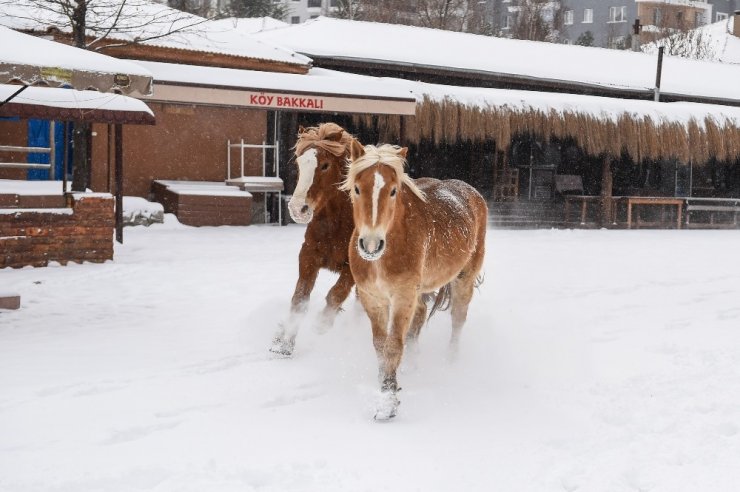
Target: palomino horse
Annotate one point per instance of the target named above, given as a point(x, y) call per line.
point(410, 238)
point(321, 153)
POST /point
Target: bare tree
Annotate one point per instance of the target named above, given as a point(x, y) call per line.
point(391, 11)
point(349, 9)
point(538, 20)
point(97, 25)
point(451, 15)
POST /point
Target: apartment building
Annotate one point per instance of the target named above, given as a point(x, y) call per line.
point(610, 23)
point(303, 10)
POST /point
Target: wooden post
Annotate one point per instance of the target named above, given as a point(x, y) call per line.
point(659, 73)
point(607, 181)
point(119, 182)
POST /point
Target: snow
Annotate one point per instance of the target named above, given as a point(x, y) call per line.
point(159, 24)
point(16, 47)
point(138, 211)
point(525, 60)
point(591, 360)
point(723, 42)
point(70, 98)
point(209, 188)
point(19, 187)
point(52, 211)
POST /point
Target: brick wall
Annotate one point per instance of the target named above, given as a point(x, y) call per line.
point(82, 233)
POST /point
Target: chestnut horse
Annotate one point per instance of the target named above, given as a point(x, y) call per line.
point(410, 238)
point(321, 154)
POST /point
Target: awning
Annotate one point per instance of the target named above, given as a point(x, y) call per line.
point(30, 60)
point(72, 105)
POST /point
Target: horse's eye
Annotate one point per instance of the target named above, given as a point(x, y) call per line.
point(325, 166)
point(393, 192)
point(357, 190)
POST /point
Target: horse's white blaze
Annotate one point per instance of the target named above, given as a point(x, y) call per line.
point(377, 186)
point(307, 163)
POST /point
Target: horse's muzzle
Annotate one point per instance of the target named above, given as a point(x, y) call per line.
point(299, 210)
point(370, 247)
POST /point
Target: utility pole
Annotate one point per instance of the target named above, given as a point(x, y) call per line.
point(636, 28)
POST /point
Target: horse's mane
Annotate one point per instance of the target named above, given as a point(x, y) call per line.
point(328, 136)
point(385, 154)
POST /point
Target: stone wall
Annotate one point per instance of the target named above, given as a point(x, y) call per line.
point(35, 237)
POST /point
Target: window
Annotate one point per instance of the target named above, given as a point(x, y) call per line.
point(721, 16)
point(617, 14)
point(698, 19)
point(588, 16)
point(657, 17)
point(334, 3)
point(314, 3)
point(295, 19)
point(568, 18)
point(314, 16)
point(507, 22)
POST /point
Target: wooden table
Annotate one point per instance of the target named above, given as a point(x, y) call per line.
point(633, 201)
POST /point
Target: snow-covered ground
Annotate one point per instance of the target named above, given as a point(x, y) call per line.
point(592, 360)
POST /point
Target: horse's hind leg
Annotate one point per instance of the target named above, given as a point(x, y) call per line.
point(334, 299)
point(420, 316)
point(462, 292)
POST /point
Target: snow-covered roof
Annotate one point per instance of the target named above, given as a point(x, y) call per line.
point(248, 25)
point(33, 60)
point(446, 51)
point(70, 104)
point(141, 19)
point(323, 81)
point(16, 47)
point(601, 108)
point(317, 81)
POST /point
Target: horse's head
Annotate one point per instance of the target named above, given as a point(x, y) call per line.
point(321, 154)
point(375, 181)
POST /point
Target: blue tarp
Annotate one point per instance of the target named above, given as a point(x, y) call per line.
point(38, 136)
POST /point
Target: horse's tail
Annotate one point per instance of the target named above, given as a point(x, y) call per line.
point(442, 299)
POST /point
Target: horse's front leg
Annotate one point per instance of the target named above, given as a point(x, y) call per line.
point(308, 269)
point(334, 299)
point(403, 309)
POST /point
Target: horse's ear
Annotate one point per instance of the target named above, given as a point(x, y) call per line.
point(403, 152)
point(335, 136)
point(356, 150)
point(301, 130)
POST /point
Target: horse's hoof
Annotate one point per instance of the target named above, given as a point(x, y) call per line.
point(282, 348)
point(387, 406)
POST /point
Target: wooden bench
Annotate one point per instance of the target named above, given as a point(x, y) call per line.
point(726, 208)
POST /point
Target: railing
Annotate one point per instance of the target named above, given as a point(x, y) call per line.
point(33, 150)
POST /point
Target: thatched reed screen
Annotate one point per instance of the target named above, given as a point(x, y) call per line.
point(641, 137)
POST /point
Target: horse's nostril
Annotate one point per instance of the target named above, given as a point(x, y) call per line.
point(380, 245)
point(304, 209)
point(362, 244)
